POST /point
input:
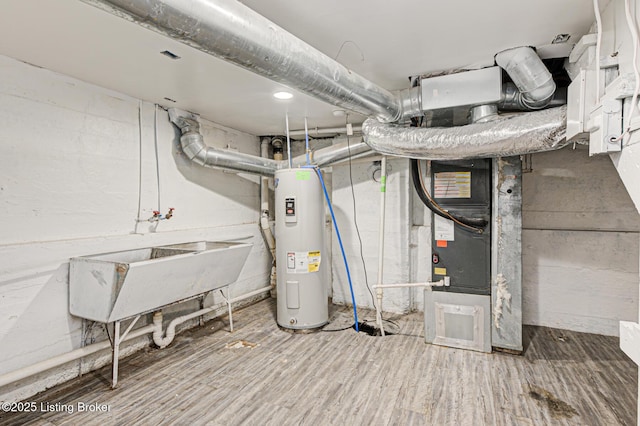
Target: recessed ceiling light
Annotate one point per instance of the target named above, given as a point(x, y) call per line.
point(283, 95)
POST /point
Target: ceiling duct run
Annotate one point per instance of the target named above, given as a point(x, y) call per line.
point(515, 134)
point(233, 32)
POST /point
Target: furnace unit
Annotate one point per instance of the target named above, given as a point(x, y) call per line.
point(459, 315)
point(302, 297)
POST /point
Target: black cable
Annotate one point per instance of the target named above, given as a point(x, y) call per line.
point(474, 224)
point(339, 329)
point(355, 220)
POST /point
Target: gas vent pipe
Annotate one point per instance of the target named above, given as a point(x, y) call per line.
point(196, 150)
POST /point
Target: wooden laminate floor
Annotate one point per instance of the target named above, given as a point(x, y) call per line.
point(349, 378)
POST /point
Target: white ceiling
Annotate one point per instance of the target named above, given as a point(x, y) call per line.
point(384, 41)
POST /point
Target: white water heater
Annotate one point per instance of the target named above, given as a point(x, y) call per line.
point(302, 296)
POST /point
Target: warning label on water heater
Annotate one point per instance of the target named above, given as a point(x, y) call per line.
point(302, 262)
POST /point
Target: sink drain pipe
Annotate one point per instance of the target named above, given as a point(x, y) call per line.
point(164, 341)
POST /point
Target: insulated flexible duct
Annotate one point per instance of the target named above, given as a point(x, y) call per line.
point(511, 135)
point(233, 32)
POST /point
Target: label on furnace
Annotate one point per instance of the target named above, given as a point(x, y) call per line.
point(303, 262)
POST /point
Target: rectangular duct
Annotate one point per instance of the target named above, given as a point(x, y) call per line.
point(478, 87)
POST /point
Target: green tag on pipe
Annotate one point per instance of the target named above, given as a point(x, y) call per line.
point(383, 180)
point(383, 188)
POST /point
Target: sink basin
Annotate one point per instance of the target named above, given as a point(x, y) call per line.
point(112, 286)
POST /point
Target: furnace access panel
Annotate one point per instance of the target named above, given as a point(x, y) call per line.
point(463, 188)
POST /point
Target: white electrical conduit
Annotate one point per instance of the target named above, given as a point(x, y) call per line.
point(444, 282)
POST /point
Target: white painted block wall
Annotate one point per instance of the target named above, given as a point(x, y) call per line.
point(75, 160)
point(397, 256)
point(580, 244)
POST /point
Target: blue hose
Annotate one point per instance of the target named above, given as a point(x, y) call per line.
point(344, 256)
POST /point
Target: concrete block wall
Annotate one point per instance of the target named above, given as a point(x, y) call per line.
point(76, 161)
point(398, 232)
point(580, 244)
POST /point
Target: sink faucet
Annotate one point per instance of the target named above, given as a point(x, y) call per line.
point(157, 216)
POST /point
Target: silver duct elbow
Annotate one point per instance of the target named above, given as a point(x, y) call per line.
point(513, 135)
point(197, 151)
point(534, 83)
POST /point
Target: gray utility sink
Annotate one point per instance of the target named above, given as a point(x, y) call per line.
point(113, 286)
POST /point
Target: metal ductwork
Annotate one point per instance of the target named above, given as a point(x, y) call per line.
point(489, 135)
point(196, 150)
point(511, 135)
point(333, 154)
point(533, 86)
point(231, 31)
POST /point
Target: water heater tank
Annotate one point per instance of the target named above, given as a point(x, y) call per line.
point(302, 290)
